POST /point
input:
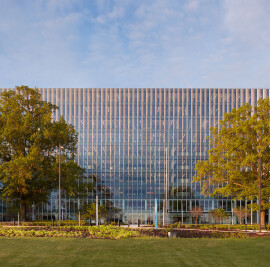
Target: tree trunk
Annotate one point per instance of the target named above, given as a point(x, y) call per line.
point(23, 209)
point(262, 215)
point(262, 218)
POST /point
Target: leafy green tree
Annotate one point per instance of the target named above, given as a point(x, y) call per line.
point(29, 142)
point(196, 213)
point(106, 211)
point(241, 213)
point(239, 153)
point(219, 215)
point(89, 212)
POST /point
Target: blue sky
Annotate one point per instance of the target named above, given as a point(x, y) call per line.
point(135, 43)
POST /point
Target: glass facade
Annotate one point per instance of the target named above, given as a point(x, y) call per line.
point(144, 144)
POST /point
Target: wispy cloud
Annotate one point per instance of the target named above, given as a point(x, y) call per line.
point(192, 5)
point(117, 43)
point(247, 20)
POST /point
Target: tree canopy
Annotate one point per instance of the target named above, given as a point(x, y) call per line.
point(29, 142)
point(196, 213)
point(241, 213)
point(239, 153)
point(219, 215)
point(89, 211)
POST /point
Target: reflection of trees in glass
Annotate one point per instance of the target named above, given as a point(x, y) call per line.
point(176, 193)
point(99, 188)
point(180, 192)
point(107, 210)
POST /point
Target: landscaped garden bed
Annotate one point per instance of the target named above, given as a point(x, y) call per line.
point(102, 232)
point(113, 232)
point(223, 227)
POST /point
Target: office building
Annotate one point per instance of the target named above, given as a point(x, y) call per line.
point(143, 144)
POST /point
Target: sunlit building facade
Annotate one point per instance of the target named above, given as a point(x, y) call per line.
point(143, 144)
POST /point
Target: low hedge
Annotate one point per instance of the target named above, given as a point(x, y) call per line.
point(193, 233)
point(215, 226)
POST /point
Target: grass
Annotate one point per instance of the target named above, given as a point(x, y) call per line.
point(134, 252)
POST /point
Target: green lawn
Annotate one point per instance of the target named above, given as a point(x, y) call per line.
point(134, 252)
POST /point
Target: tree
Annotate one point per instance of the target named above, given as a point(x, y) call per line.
point(106, 211)
point(29, 142)
point(89, 212)
point(239, 154)
point(241, 213)
point(196, 213)
point(219, 215)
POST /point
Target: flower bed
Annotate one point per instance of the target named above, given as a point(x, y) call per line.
point(113, 232)
point(108, 232)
